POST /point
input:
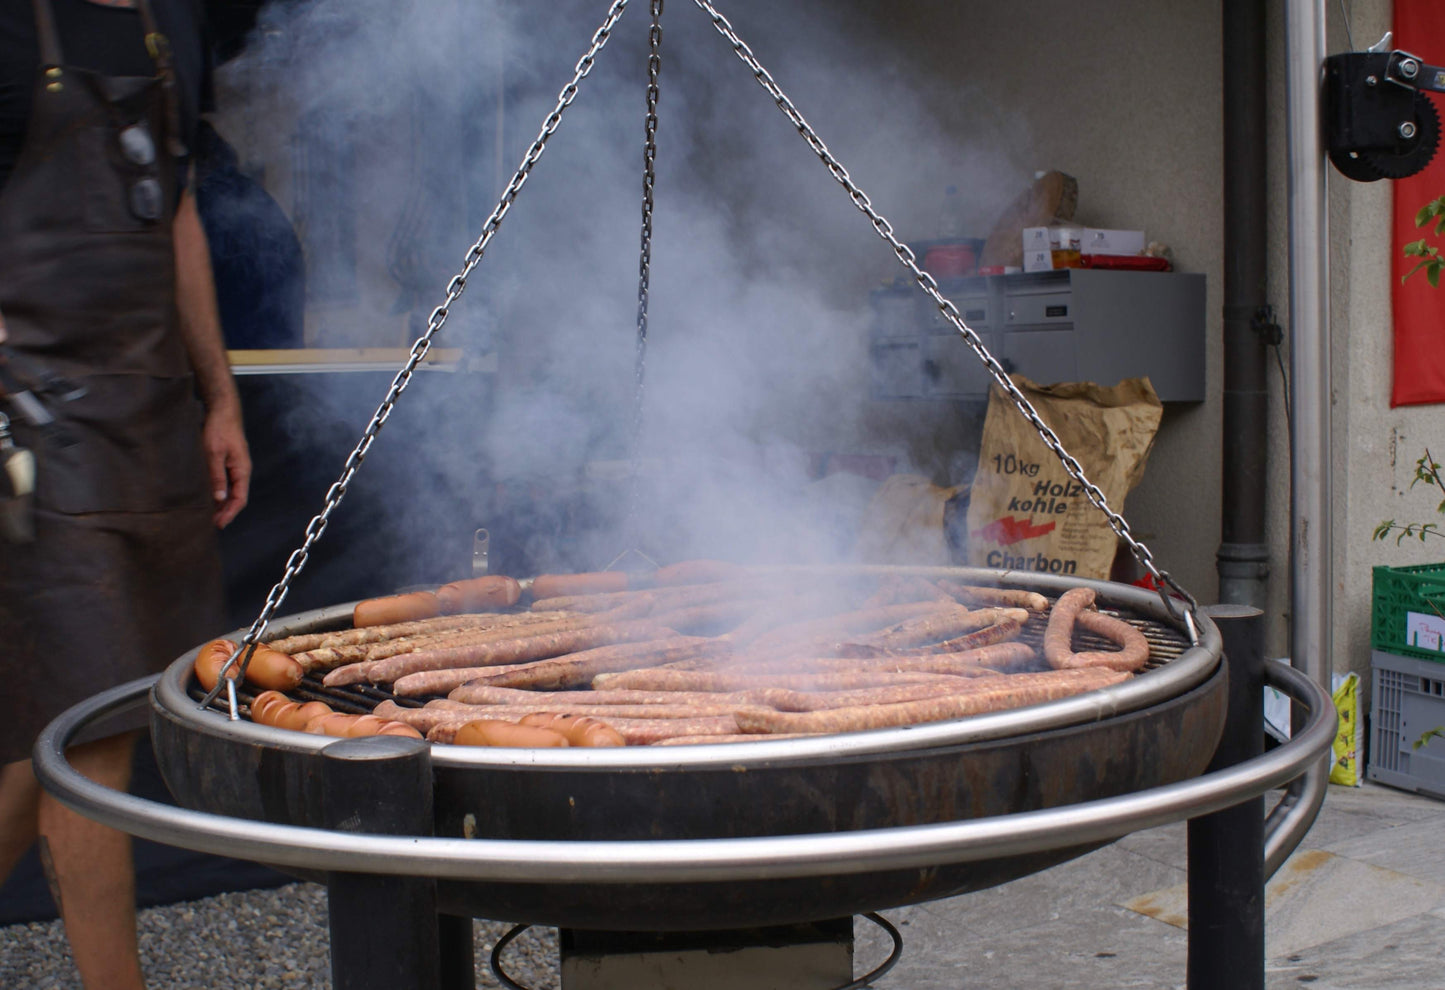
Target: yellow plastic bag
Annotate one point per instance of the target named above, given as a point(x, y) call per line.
point(1349, 744)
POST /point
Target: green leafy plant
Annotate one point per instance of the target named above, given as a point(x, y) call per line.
point(1427, 472)
point(1431, 215)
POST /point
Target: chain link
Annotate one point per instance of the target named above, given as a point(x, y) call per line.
point(317, 526)
point(644, 265)
point(926, 282)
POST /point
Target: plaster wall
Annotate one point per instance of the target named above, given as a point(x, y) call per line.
point(1130, 105)
point(1375, 447)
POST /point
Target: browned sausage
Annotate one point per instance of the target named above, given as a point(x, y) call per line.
point(559, 585)
point(735, 737)
point(261, 704)
point(1007, 628)
point(656, 679)
point(580, 730)
point(1059, 634)
point(399, 729)
point(494, 732)
point(439, 726)
point(811, 701)
point(579, 668)
point(482, 694)
point(266, 669)
point(211, 658)
point(1133, 652)
point(1011, 597)
point(396, 608)
point(1015, 691)
point(335, 724)
point(523, 646)
point(296, 645)
point(483, 594)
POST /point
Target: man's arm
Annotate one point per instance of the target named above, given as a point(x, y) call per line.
point(225, 441)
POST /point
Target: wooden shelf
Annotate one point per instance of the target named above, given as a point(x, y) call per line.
point(331, 360)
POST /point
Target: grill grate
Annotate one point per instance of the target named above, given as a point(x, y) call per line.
point(1165, 644)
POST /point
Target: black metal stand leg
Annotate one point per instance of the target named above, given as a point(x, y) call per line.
point(384, 929)
point(458, 955)
point(1226, 849)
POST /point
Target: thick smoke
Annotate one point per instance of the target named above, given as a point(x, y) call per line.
point(388, 129)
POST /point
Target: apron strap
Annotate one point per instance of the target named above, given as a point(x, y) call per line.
point(50, 57)
point(159, 48)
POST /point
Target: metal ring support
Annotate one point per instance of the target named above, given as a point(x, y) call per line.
point(680, 861)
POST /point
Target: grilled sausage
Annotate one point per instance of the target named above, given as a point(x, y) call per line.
point(262, 703)
point(970, 594)
point(266, 669)
point(399, 729)
point(1059, 634)
point(579, 668)
point(1015, 691)
point(785, 700)
point(657, 679)
point(736, 737)
point(483, 594)
point(396, 608)
point(1133, 652)
point(494, 732)
point(522, 646)
point(580, 730)
point(336, 724)
point(559, 585)
point(483, 694)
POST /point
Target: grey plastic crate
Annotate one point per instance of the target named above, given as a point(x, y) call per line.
point(1407, 701)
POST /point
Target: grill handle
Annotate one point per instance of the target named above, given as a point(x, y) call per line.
point(681, 861)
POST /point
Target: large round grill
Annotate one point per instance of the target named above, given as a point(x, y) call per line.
point(1157, 728)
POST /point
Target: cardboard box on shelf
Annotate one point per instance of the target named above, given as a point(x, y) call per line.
point(1098, 240)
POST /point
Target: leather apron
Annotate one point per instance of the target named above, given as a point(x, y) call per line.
point(124, 573)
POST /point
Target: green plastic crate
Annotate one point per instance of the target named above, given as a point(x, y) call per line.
point(1399, 591)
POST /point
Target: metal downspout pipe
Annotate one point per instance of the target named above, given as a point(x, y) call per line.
point(1243, 556)
point(1311, 524)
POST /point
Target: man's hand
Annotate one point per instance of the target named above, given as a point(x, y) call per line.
point(229, 462)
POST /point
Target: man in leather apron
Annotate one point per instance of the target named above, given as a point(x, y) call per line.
point(109, 318)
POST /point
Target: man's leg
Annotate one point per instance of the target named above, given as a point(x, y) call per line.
point(92, 874)
point(19, 805)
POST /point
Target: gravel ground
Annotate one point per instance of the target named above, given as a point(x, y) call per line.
point(262, 939)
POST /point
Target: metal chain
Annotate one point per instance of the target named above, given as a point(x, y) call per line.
point(926, 282)
point(419, 349)
point(644, 265)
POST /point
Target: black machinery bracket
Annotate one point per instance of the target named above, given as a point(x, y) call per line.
point(1379, 122)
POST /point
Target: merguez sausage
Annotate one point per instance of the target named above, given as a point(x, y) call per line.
point(656, 679)
point(396, 630)
point(1059, 634)
point(1011, 692)
point(577, 669)
point(1133, 652)
point(1012, 597)
point(528, 646)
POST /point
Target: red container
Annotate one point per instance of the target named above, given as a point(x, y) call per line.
point(952, 260)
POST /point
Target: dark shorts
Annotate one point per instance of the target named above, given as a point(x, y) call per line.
point(97, 600)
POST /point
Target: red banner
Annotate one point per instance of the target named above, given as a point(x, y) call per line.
point(1419, 306)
